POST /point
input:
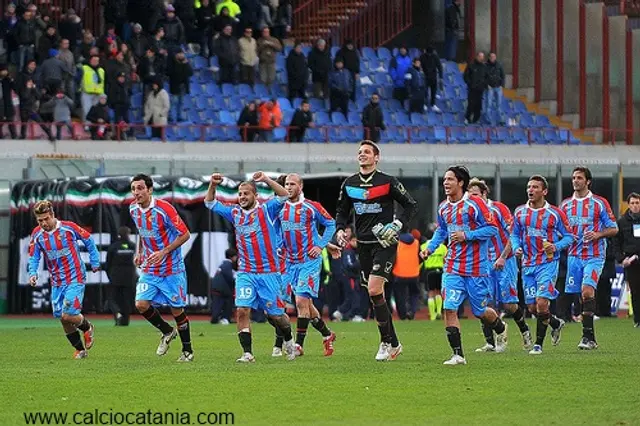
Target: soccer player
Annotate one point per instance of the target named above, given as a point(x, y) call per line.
point(163, 280)
point(303, 246)
point(504, 271)
point(540, 232)
point(371, 194)
point(57, 240)
point(259, 279)
point(467, 222)
point(592, 222)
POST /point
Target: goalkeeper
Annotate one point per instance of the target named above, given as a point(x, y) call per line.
point(371, 194)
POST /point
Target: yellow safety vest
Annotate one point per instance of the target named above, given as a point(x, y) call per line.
point(90, 82)
point(326, 265)
point(435, 259)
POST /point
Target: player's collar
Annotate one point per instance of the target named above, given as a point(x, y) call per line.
point(251, 209)
point(300, 200)
point(465, 197)
point(55, 228)
point(589, 195)
point(152, 204)
point(546, 206)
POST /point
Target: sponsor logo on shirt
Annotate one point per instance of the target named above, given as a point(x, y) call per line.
point(364, 208)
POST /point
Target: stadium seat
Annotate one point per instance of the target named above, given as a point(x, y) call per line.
point(334, 51)
point(339, 119)
point(322, 118)
point(314, 135)
point(384, 53)
point(317, 104)
point(284, 104)
point(228, 89)
point(261, 91)
point(136, 100)
point(369, 53)
point(227, 118)
point(354, 118)
point(245, 90)
point(279, 134)
point(418, 119)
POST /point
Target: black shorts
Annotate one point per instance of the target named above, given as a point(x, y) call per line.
point(434, 279)
point(375, 260)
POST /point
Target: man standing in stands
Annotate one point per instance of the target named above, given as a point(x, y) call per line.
point(319, 62)
point(398, 68)
point(495, 82)
point(416, 86)
point(432, 68)
point(373, 119)
point(340, 84)
point(351, 60)
point(451, 28)
point(301, 120)
point(476, 78)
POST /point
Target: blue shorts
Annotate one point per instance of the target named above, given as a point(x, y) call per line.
point(540, 281)
point(456, 288)
point(304, 278)
point(581, 272)
point(170, 290)
point(505, 282)
point(67, 299)
point(260, 291)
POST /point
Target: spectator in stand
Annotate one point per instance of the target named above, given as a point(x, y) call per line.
point(248, 57)
point(129, 60)
point(227, 50)
point(265, 15)
point(53, 72)
point(250, 15)
point(109, 42)
point(25, 34)
point(626, 247)
point(139, 42)
point(70, 27)
point(180, 72)
point(69, 61)
point(222, 21)
point(451, 29)
point(7, 33)
point(476, 78)
point(7, 110)
point(340, 86)
point(159, 45)
point(269, 117)
point(29, 105)
point(373, 119)
point(493, 97)
point(93, 85)
point(301, 120)
point(416, 87)
point(84, 49)
point(120, 101)
point(61, 105)
point(268, 49)
point(282, 20)
point(398, 68)
point(114, 67)
point(432, 68)
point(204, 25)
point(49, 40)
point(231, 6)
point(174, 31)
point(297, 73)
point(351, 60)
point(115, 13)
point(186, 12)
point(248, 122)
point(98, 116)
point(151, 69)
point(319, 62)
point(222, 288)
point(22, 6)
point(156, 109)
point(29, 72)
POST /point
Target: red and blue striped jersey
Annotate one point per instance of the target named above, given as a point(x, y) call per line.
point(472, 216)
point(532, 227)
point(62, 253)
point(158, 226)
point(591, 213)
point(299, 222)
point(503, 218)
point(258, 234)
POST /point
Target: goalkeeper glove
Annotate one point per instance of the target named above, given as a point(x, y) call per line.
point(387, 235)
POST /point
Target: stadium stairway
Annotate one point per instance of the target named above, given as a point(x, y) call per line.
point(322, 22)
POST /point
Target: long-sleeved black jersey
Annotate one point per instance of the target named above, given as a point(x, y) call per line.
point(371, 197)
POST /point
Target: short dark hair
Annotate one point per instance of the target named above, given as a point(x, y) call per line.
point(633, 195)
point(281, 179)
point(124, 232)
point(251, 183)
point(462, 174)
point(230, 252)
point(541, 179)
point(304, 101)
point(376, 149)
point(586, 172)
point(148, 182)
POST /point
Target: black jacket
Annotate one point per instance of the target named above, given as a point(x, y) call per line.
point(372, 116)
point(8, 85)
point(223, 281)
point(319, 62)
point(98, 112)
point(297, 71)
point(119, 95)
point(300, 121)
point(119, 265)
point(45, 44)
point(476, 76)
point(247, 116)
point(452, 18)
point(29, 99)
point(25, 32)
point(431, 65)
point(625, 244)
point(179, 75)
point(376, 206)
point(227, 50)
point(173, 30)
point(351, 59)
point(205, 18)
point(139, 44)
point(495, 74)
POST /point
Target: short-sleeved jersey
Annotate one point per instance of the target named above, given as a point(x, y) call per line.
point(158, 226)
point(472, 216)
point(532, 227)
point(62, 253)
point(258, 234)
point(503, 219)
point(299, 222)
point(591, 213)
point(371, 197)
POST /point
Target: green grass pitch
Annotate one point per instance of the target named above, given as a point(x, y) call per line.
point(564, 386)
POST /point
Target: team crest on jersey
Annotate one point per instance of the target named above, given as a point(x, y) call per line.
point(388, 267)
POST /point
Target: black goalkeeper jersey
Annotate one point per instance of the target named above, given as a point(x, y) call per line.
point(371, 197)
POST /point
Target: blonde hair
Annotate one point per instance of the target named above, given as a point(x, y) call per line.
point(482, 185)
point(42, 207)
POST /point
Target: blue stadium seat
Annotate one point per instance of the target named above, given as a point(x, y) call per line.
point(334, 51)
point(317, 104)
point(279, 134)
point(384, 53)
point(306, 50)
point(214, 134)
point(287, 50)
point(136, 115)
point(322, 118)
point(395, 105)
point(542, 121)
point(337, 134)
point(202, 103)
point(314, 135)
point(200, 62)
point(434, 119)
point(281, 63)
point(286, 117)
point(418, 119)
point(526, 120)
point(261, 91)
point(296, 103)
point(339, 119)
point(213, 90)
point(369, 54)
point(228, 89)
point(227, 118)
point(173, 134)
point(245, 90)
point(284, 104)
point(519, 136)
point(354, 118)
point(136, 100)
